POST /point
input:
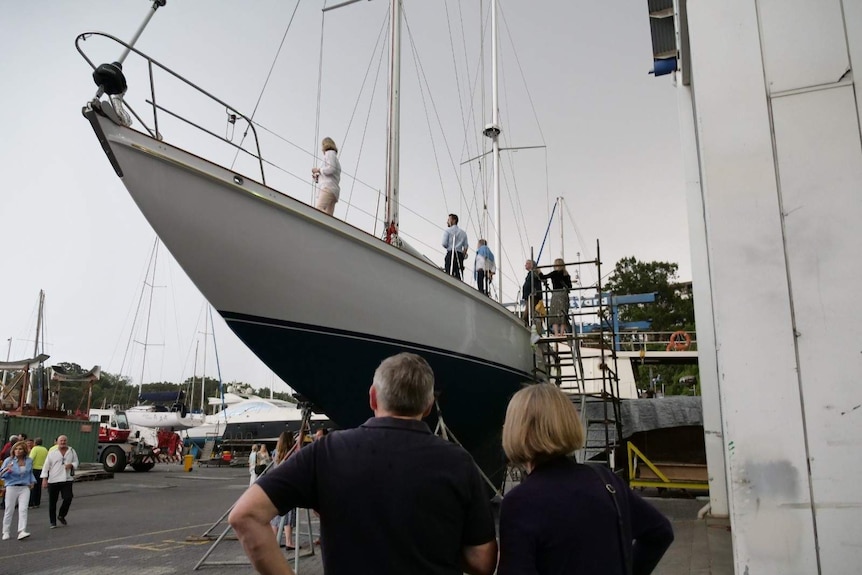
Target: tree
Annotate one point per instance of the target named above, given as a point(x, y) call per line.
point(672, 309)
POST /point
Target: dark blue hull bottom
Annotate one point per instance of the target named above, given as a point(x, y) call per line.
point(334, 371)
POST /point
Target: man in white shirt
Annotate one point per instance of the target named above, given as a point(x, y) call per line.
point(455, 243)
point(58, 474)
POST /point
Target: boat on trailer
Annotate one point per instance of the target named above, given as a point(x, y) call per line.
point(276, 269)
point(252, 419)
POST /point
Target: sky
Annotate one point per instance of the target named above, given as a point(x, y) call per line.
point(573, 79)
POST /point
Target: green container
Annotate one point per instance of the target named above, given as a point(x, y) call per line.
point(83, 435)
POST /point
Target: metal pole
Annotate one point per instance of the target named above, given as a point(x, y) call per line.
point(5, 372)
point(156, 5)
point(562, 241)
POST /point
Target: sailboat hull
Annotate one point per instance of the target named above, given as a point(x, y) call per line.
point(319, 301)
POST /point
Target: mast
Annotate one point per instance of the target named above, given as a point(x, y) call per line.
point(394, 124)
point(562, 242)
point(153, 261)
point(495, 145)
point(204, 377)
point(492, 131)
point(194, 380)
point(29, 399)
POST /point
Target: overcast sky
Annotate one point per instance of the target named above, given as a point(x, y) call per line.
point(573, 78)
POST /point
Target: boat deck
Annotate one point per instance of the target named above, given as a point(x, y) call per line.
point(152, 523)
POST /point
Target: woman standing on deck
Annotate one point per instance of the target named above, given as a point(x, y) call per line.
point(17, 474)
point(561, 281)
point(566, 517)
point(328, 176)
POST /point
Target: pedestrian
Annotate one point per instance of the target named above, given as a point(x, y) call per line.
point(7, 448)
point(531, 293)
point(58, 474)
point(283, 448)
point(38, 455)
point(328, 177)
point(17, 474)
point(566, 517)
point(262, 461)
point(484, 267)
point(455, 243)
point(252, 462)
point(389, 492)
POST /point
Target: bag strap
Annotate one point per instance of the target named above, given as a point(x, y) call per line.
point(624, 547)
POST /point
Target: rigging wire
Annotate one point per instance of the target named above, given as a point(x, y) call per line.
point(266, 82)
point(418, 65)
point(319, 89)
point(374, 84)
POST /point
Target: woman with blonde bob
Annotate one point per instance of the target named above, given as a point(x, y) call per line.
point(563, 517)
point(328, 177)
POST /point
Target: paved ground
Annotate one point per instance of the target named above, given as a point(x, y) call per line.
point(152, 523)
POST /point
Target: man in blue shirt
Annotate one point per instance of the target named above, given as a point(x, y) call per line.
point(455, 243)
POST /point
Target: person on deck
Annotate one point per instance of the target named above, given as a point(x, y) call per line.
point(567, 517)
point(531, 292)
point(393, 497)
point(328, 177)
point(485, 268)
point(455, 243)
point(561, 282)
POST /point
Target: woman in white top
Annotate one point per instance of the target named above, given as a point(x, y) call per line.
point(252, 463)
point(328, 176)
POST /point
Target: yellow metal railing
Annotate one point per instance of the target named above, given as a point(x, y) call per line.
point(662, 480)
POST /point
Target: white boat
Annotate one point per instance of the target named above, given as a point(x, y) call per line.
point(250, 418)
point(317, 300)
point(174, 416)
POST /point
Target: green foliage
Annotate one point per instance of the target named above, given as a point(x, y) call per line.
point(670, 312)
point(673, 310)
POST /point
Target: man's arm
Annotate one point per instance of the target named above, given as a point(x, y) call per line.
point(480, 559)
point(250, 520)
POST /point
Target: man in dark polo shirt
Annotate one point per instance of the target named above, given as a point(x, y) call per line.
point(393, 498)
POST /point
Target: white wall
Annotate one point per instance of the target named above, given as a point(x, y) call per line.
point(780, 155)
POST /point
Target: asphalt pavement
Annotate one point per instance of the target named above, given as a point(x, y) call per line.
point(167, 521)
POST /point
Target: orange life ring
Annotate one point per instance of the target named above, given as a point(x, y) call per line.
point(675, 344)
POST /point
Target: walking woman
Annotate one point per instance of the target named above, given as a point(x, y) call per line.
point(328, 177)
point(17, 475)
point(282, 450)
point(566, 517)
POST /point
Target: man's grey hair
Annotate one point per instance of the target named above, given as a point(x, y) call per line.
point(405, 384)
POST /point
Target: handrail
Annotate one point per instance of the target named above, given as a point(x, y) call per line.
point(152, 102)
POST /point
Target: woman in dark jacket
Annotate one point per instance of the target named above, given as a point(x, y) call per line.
point(561, 281)
point(563, 519)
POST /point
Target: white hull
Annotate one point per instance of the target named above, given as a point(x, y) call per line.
point(162, 419)
point(251, 419)
point(322, 302)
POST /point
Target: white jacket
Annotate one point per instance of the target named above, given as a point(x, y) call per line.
point(330, 173)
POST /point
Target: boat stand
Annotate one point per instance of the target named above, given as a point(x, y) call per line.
point(443, 431)
point(227, 532)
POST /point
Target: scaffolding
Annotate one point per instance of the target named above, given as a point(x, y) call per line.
point(568, 360)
